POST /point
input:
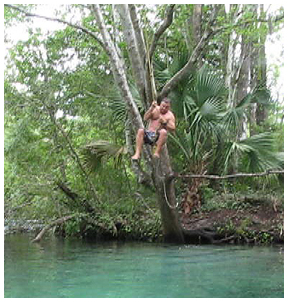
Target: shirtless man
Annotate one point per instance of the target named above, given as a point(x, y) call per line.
point(161, 121)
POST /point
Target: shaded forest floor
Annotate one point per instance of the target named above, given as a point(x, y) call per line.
point(256, 223)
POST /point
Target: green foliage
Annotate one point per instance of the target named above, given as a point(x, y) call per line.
point(64, 116)
point(94, 153)
point(208, 129)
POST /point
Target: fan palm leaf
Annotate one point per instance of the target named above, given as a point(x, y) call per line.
point(94, 153)
point(232, 119)
point(255, 153)
point(118, 106)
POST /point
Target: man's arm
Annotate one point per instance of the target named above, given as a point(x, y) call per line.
point(168, 124)
point(148, 114)
point(171, 125)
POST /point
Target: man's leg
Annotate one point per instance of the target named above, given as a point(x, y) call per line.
point(161, 141)
point(139, 144)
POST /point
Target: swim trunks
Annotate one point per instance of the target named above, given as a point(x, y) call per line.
point(150, 137)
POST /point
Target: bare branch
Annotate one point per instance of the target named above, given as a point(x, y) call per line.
point(83, 29)
point(49, 226)
point(269, 172)
point(167, 22)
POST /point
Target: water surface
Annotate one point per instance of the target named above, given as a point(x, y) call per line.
point(66, 268)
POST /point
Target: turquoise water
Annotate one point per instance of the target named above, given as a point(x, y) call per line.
point(76, 269)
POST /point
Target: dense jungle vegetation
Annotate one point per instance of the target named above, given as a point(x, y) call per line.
point(75, 97)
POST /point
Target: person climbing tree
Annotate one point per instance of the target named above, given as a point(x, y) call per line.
point(161, 120)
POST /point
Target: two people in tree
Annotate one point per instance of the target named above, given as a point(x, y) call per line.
point(161, 121)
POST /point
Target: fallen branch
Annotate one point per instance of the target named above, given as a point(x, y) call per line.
point(177, 175)
point(49, 226)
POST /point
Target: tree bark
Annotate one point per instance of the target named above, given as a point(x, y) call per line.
point(261, 111)
point(243, 82)
point(193, 27)
point(134, 55)
point(230, 77)
point(165, 190)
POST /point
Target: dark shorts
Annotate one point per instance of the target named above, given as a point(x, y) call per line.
point(150, 137)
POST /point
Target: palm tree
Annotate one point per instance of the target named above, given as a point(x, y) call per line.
point(208, 130)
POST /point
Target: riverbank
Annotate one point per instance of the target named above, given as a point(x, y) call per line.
point(223, 219)
point(243, 218)
point(258, 225)
point(254, 225)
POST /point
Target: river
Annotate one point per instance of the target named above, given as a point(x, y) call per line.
point(70, 268)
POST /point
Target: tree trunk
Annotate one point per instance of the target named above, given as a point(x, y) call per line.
point(230, 74)
point(134, 55)
point(165, 190)
point(244, 81)
point(160, 168)
point(193, 29)
point(261, 111)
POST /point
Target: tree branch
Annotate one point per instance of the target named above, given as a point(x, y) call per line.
point(185, 71)
point(138, 33)
point(83, 29)
point(49, 226)
point(208, 33)
point(117, 69)
point(268, 172)
point(167, 22)
point(133, 49)
point(247, 22)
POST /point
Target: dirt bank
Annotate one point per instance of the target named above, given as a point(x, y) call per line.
point(254, 224)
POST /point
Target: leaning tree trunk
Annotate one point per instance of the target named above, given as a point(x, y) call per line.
point(160, 168)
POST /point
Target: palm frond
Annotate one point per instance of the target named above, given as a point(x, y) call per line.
point(184, 143)
point(261, 95)
point(208, 85)
point(94, 153)
point(255, 153)
point(118, 106)
point(233, 116)
point(163, 73)
point(261, 155)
